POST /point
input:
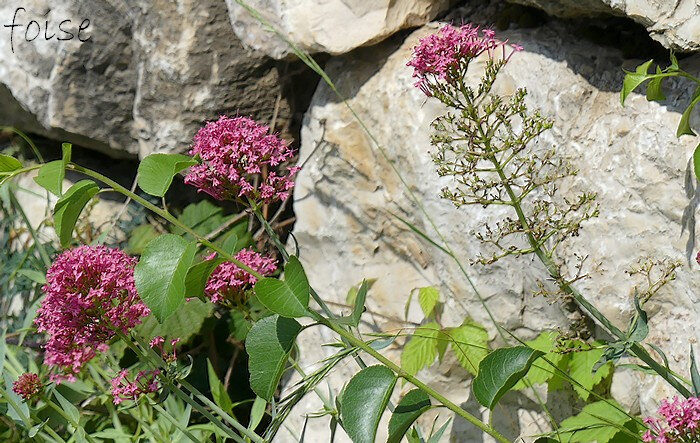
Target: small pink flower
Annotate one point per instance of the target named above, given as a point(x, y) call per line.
point(228, 282)
point(234, 153)
point(90, 294)
point(145, 382)
point(443, 57)
point(27, 385)
point(679, 422)
point(697, 258)
point(156, 342)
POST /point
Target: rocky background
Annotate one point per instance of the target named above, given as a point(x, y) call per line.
point(153, 71)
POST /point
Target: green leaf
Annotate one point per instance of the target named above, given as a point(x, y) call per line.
point(160, 274)
point(139, 238)
point(288, 298)
point(183, 324)
point(359, 300)
point(639, 329)
point(257, 412)
point(9, 164)
point(268, 344)
point(411, 406)
point(364, 400)
point(634, 79)
point(500, 371)
point(437, 436)
point(66, 153)
point(218, 391)
point(581, 369)
point(428, 298)
point(67, 407)
point(422, 349)
point(21, 404)
point(203, 217)
point(684, 124)
point(694, 375)
point(33, 275)
point(198, 275)
point(239, 325)
point(156, 171)
point(69, 207)
point(696, 161)
point(50, 177)
point(542, 372)
point(598, 421)
point(470, 344)
point(654, 91)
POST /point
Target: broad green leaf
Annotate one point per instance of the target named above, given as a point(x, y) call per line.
point(639, 328)
point(50, 177)
point(634, 79)
point(203, 216)
point(257, 412)
point(198, 275)
point(33, 275)
point(542, 372)
point(66, 153)
point(696, 161)
point(218, 391)
point(581, 369)
point(139, 238)
point(598, 421)
point(183, 324)
point(288, 298)
point(428, 298)
point(359, 307)
point(69, 207)
point(268, 344)
point(470, 344)
point(500, 371)
point(364, 400)
point(160, 274)
point(411, 406)
point(654, 91)
point(9, 164)
point(422, 349)
point(684, 124)
point(239, 325)
point(156, 171)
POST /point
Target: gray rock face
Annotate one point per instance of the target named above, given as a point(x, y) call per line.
point(335, 26)
point(148, 76)
point(675, 23)
point(347, 192)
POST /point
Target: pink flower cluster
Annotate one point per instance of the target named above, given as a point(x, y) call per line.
point(444, 56)
point(228, 281)
point(233, 152)
point(158, 343)
point(90, 294)
point(145, 382)
point(27, 385)
point(680, 422)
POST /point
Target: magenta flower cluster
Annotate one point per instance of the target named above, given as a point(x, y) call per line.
point(158, 343)
point(27, 385)
point(234, 152)
point(90, 294)
point(680, 422)
point(228, 282)
point(145, 382)
point(444, 56)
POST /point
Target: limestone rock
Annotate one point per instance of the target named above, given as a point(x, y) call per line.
point(676, 24)
point(148, 76)
point(335, 26)
point(347, 193)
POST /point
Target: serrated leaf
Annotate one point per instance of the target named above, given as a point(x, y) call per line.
point(634, 79)
point(581, 369)
point(542, 372)
point(68, 209)
point(470, 344)
point(156, 171)
point(421, 350)
point(268, 345)
point(599, 421)
point(428, 298)
point(50, 177)
point(410, 407)
point(684, 124)
point(218, 391)
point(500, 371)
point(289, 298)
point(160, 274)
point(364, 400)
point(9, 163)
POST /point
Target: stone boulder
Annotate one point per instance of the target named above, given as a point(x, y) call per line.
point(676, 24)
point(335, 26)
point(144, 81)
point(347, 194)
